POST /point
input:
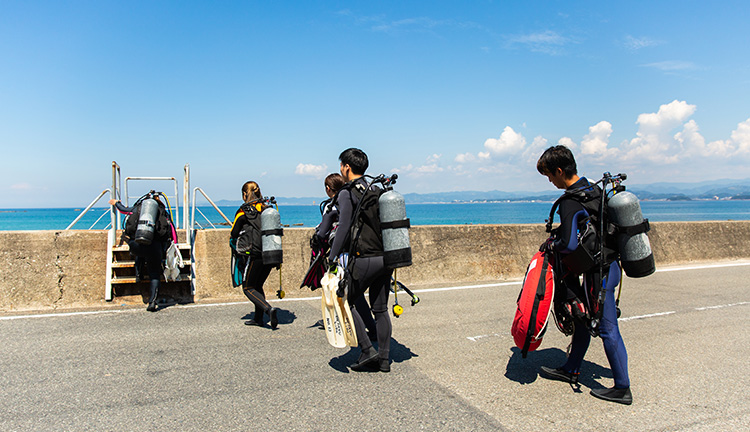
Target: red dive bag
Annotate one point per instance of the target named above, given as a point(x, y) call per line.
point(534, 303)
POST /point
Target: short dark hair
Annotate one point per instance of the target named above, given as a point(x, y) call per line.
point(356, 159)
point(556, 157)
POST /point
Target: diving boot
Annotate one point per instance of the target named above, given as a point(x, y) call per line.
point(154, 293)
point(559, 375)
point(618, 395)
point(368, 361)
point(273, 313)
point(385, 365)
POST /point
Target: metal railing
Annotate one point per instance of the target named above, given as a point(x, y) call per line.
point(93, 203)
point(195, 208)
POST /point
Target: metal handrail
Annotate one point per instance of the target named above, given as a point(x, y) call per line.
point(87, 209)
point(104, 213)
point(192, 219)
point(176, 195)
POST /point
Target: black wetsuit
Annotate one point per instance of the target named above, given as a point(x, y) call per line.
point(323, 232)
point(149, 256)
point(566, 242)
point(256, 272)
point(368, 271)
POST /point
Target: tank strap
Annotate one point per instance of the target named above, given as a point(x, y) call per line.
point(404, 223)
point(277, 231)
point(630, 231)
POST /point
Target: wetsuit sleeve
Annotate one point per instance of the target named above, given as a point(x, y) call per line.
point(122, 209)
point(237, 224)
point(326, 224)
point(345, 223)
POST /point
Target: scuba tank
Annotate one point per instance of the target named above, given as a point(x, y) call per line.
point(144, 234)
point(624, 211)
point(271, 232)
point(394, 227)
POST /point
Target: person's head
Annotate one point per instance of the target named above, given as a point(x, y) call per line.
point(354, 163)
point(559, 165)
point(251, 191)
point(333, 183)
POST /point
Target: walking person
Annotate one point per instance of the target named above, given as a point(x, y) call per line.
point(559, 166)
point(245, 241)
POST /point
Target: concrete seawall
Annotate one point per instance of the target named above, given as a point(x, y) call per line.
point(42, 270)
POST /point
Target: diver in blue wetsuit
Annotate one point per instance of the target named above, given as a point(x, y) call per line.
point(559, 165)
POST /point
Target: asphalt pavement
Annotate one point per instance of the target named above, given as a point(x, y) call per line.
point(455, 367)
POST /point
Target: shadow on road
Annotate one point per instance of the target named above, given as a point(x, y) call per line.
point(284, 316)
point(526, 370)
point(399, 353)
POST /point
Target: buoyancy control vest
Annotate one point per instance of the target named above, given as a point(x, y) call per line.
point(609, 230)
point(365, 235)
point(249, 240)
point(148, 221)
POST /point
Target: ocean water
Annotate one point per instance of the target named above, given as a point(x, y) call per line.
point(420, 214)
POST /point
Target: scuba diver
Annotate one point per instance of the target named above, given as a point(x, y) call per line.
point(559, 165)
point(245, 241)
point(148, 231)
point(320, 243)
point(368, 270)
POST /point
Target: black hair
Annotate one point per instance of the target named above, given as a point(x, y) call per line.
point(356, 159)
point(556, 157)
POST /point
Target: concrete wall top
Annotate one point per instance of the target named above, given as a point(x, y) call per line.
point(67, 269)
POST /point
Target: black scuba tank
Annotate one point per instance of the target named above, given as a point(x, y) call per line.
point(624, 211)
point(144, 233)
point(271, 232)
point(394, 227)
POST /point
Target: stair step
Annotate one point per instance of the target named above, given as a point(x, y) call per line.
point(131, 264)
point(131, 279)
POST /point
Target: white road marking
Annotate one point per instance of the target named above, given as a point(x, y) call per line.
point(721, 306)
point(646, 316)
point(474, 338)
point(455, 288)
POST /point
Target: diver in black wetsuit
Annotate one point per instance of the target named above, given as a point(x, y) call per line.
point(247, 225)
point(152, 254)
point(558, 164)
point(326, 231)
point(368, 270)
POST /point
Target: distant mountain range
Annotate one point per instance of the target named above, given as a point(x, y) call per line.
point(716, 189)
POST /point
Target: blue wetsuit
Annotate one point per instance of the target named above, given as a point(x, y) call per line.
point(614, 347)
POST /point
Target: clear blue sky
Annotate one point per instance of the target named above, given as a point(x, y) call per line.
point(452, 95)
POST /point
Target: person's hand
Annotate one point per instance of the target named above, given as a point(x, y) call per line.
point(112, 202)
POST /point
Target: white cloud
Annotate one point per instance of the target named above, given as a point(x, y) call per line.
point(509, 143)
point(596, 141)
point(548, 42)
point(464, 158)
point(317, 171)
point(741, 137)
point(567, 142)
point(434, 158)
point(22, 187)
point(634, 44)
point(671, 65)
point(483, 155)
point(654, 140)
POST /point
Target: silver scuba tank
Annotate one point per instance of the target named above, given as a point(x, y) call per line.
point(394, 227)
point(271, 232)
point(624, 210)
point(144, 234)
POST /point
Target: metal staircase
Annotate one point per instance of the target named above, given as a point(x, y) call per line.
point(121, 274)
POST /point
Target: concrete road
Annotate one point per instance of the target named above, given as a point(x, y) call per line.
point(455, 366)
